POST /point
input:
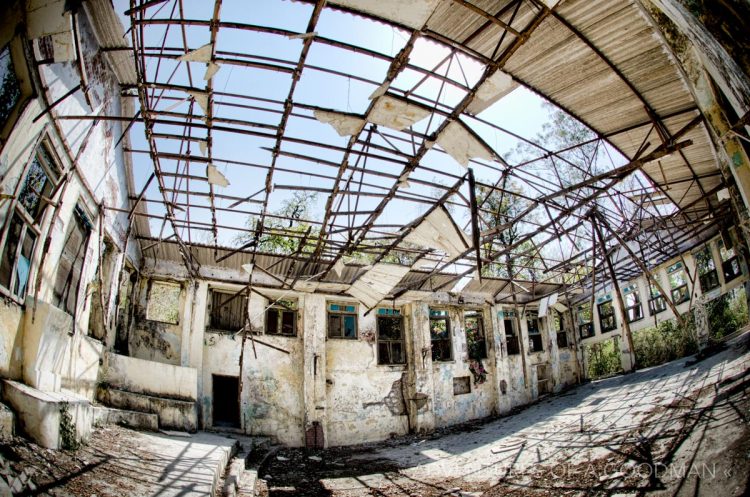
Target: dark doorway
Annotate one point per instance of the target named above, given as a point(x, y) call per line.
point(226, 401)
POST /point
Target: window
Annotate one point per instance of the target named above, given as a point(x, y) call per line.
point(535, 336)
point(391, 348)
point(607, 320)
point(227, 311)
point(25, 219)
point(585, 322)
point(656, 303)
point(511, 337)
point(560, 332)
point(678, 283)
point(342, 321)
point(440, 335)
point(10, 88)
point(281, 318)
point(633, 307)
point(730, 263)
point(163, 302)
point(461, 385)
point(70, 267)
point(707, 274)
point(476, 340)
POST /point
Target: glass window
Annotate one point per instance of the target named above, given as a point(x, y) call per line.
point(535, 336)
point(10, 89)
point(391, 346)
point(633, 307)
point(24, 227)
point(164, 302)
point(585, 322)
point(227, 311)
point(607, 320)
point(678, 283)
point(440, 335)
point(281, 318)
point(342, 321)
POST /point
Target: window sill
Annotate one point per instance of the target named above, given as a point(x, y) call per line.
point(393, 367)
point(280, 335)
point(351, 339)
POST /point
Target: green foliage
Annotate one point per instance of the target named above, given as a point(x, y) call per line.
point(665, 342)
point(603, 359)
point(68, 438)
point(727, 314)
point(283, 234)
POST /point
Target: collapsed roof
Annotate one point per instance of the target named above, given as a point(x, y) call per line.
point(300, 135)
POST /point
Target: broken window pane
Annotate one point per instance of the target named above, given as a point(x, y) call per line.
point(390, 339)
point(440, 335)
point(342, 321)
point(37, 184)
point(607, 320)
point(70, 266)
point(281, 318)
point(475, 338)
point(10, 89)
point(228, 311)
point(163, 302)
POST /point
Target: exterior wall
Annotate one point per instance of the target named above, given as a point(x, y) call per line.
point(364, 401)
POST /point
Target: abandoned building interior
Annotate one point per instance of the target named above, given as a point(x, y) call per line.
point(337, 222)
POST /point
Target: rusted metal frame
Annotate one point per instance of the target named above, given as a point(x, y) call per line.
point(186, 255)
point(666, 137)
point(287, 33)
point(488, 16)
point(411, 226)
point(454, 115)
point(234, 61)
point(618, 292)
point(282, 124)
point(209, 118)
point(394, 69)
point(615, 174)
point(363, 156)
point(644, 269)
point(140, 8)
point(297, 252)
point(47, 109)
point(505, 33)
point(161, 50)
point(140, 196)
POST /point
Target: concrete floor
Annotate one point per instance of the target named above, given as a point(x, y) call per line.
point(677, 429)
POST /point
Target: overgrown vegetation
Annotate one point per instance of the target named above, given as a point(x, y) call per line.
point(664, 342)
point(668, 341)
point(68, 438)
point(603, 359)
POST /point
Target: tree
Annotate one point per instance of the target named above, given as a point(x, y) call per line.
point(285, 229)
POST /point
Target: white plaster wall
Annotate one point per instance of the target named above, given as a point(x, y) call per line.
point(364, 401)
point(150, 378)
point(481, 402)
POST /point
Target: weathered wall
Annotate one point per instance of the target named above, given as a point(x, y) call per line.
point(149, 377)
point(155, 340)
point(364, 401)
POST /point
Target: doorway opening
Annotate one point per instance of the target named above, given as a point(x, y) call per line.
point(226, 403)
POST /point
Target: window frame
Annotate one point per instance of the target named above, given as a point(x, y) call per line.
point(437, 315)
point(9, 38)
point(280, 309)
point(34, 222)
point(637, 306)
point(391, 314)
point(151, 283)
point(602, 317)
point(479, 316)
point(340, 314)
point(79, 218)
point(536, 339)
point(211, 310)
point(512, 346)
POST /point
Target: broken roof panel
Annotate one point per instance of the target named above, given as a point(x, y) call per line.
point(438, 230)
point(376, 283)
